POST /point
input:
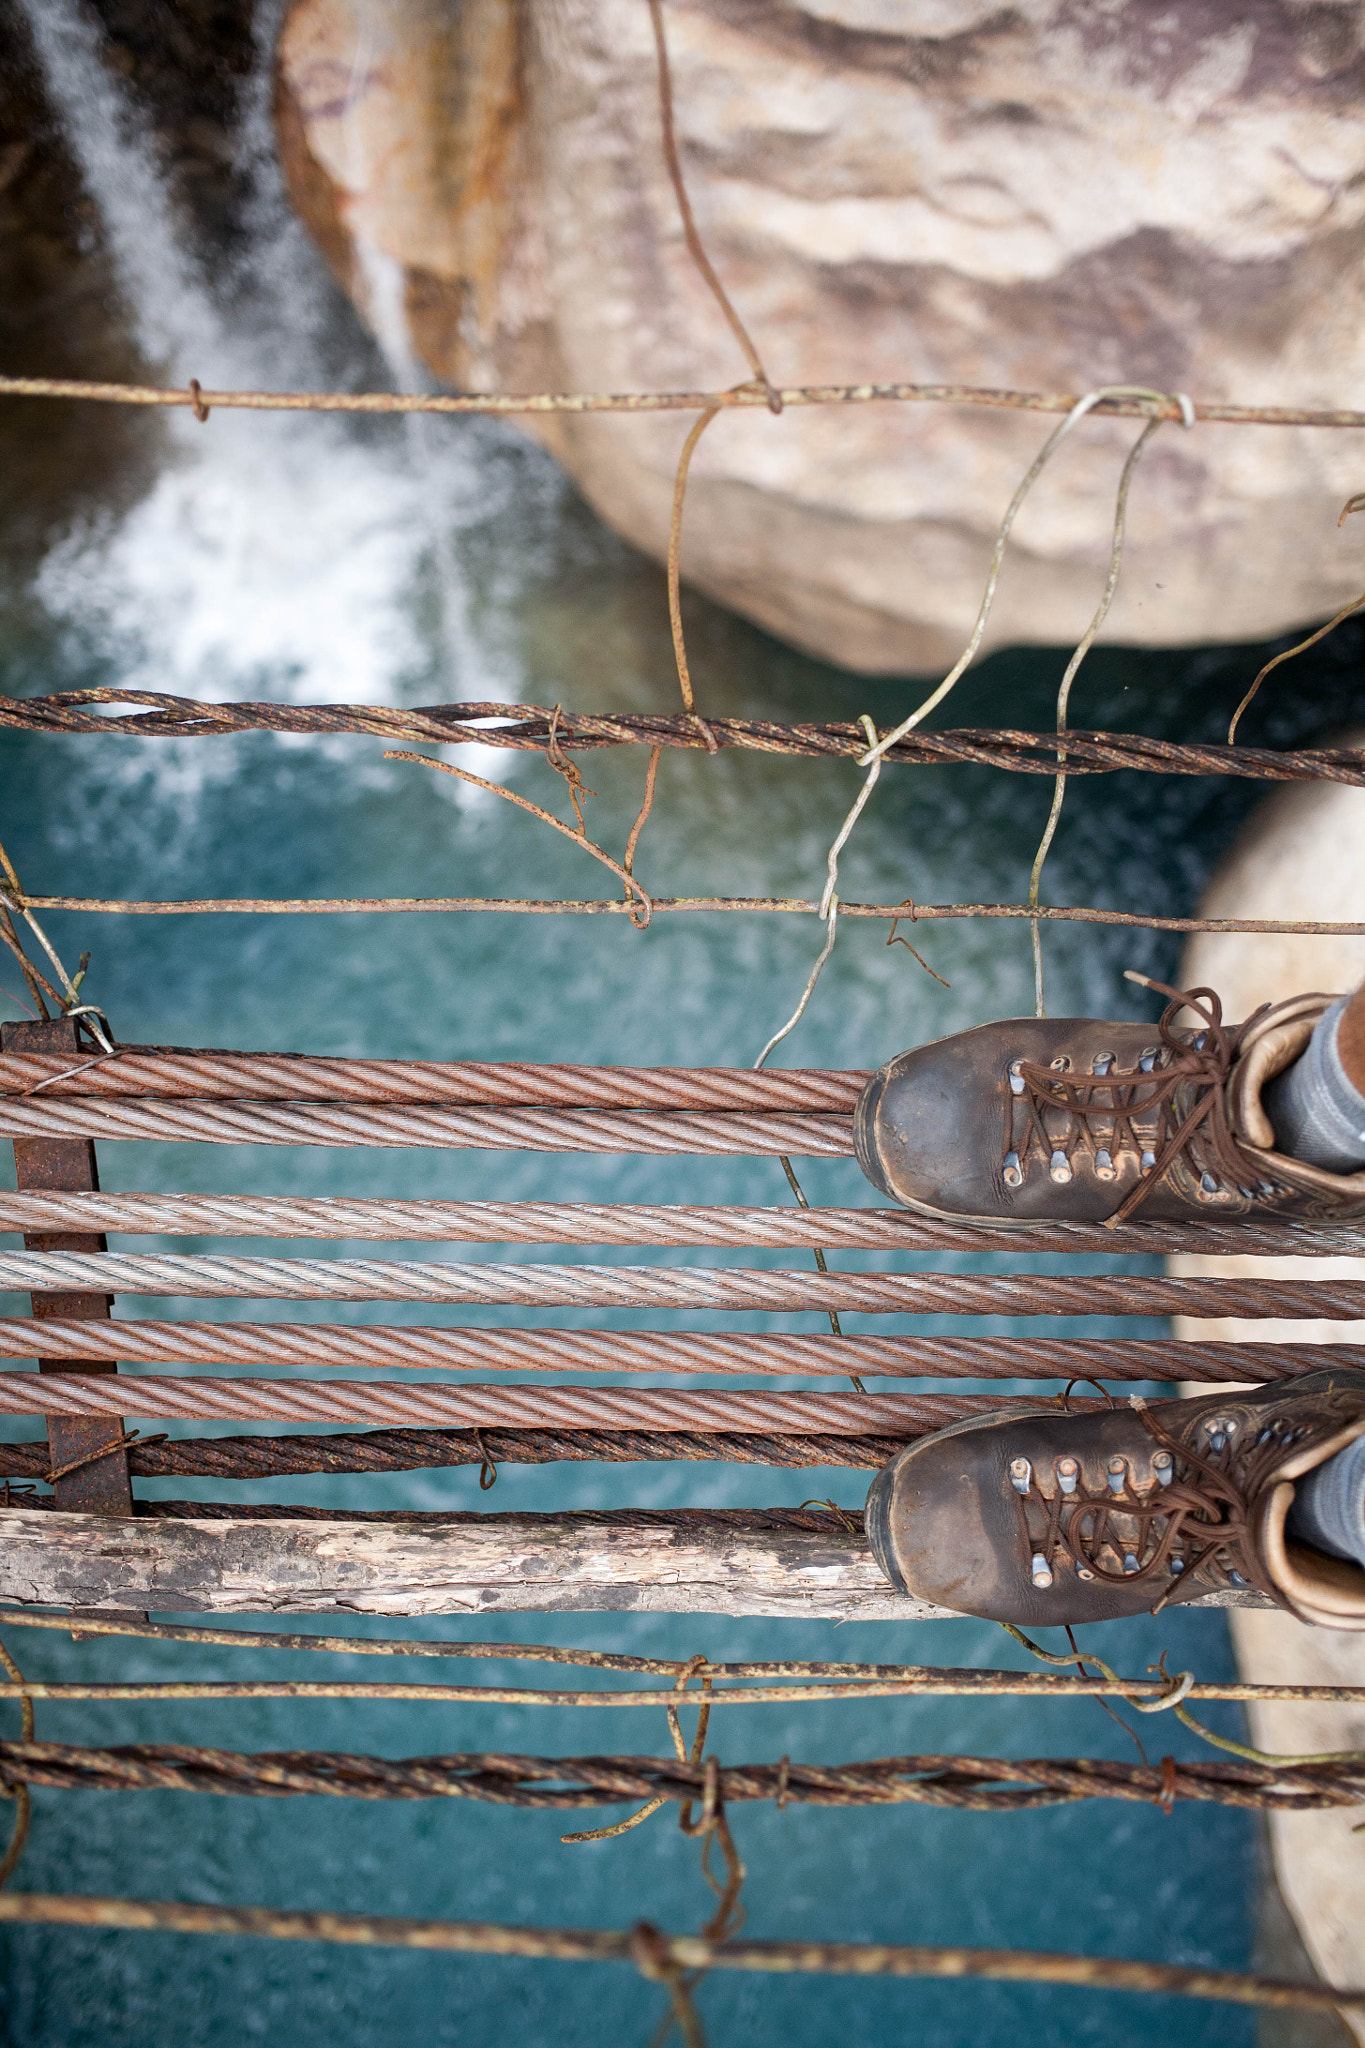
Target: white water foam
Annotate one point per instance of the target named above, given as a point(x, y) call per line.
point(273, 554)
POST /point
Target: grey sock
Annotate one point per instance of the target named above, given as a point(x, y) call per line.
point(1329, 1505)
point(1317, 1114)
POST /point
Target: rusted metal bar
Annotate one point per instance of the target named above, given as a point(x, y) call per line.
point(526, 1130)
point(509, 1405)
point(572, 1784)
point(175, 1072)
point(409, 1345)
point(534, 728)
point(92, 1472)
point(777, 1290)
point(629, 1224)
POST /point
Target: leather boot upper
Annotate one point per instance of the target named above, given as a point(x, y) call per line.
point(1077, 1120)
point(1048, 1517)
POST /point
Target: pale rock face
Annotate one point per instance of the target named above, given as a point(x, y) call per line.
point(1054, 195)
point(1301, 856)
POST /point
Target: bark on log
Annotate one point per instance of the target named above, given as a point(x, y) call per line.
point(562, 1565)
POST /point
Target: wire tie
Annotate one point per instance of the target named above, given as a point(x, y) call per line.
point(201, 411)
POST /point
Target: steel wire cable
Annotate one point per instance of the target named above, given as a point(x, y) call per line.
point(526, 1130)
point(639, 1224)
point(775, 1290)
point(571, 1784)
point(171, 1072)
point(663, 1958)
point(533, 728)
point(508, 1406)
point(411, 1345)
point(268, 1455)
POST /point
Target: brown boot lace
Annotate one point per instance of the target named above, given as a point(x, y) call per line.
point(1197, 1522)
point(1098, 1110)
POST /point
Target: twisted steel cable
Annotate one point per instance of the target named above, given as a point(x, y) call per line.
point(674, 1351)
point(775, 1290)
point(571, 1784)
point(508, 1406)
point(632, 1224)
point(529, 727)
point(174, 1072)
point(327, 1123)
point(272, 1456)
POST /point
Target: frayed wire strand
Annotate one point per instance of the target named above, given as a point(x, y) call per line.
point(695, 246)
point(1030, 478)
point(643, 902)
point(1086, 642)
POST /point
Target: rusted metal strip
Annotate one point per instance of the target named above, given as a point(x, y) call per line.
point(629, 1224)
point(526, 1130)
point(774, 1289)
point(92, 1472)
point(409, 1346)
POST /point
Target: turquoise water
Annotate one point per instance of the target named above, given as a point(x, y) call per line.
point(257, 815)
point(314, 560)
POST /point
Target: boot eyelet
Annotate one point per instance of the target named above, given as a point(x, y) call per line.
point(1148, 1161)
point(1200, 1040)
point(1016, 1078)
point(1177, 1566)
point(1102, 1062)
point(1067, 1473)
point(1042, 1575)
point(1021, 1474)
point(1014, 1172)
point(1149, 1060)
point(1060, 1168)
point(1061, 1064)
point(1207, 1184)
point(1163, 1468)
point(1118, 1474)
point(1084, 1572)
point(1130, 1563)
point(1104, 1167)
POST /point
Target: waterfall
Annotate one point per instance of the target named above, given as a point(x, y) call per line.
point(302, 556)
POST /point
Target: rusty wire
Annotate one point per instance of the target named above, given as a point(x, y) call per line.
point(414, 1346)
point(502, 1407)
point(510, 404)
point(537, 729)
point(267, 1455)
point(933, 1680)
point(646, 1948)
point(573, 1784)
point(630, 1224)
point(530, 906)
point(776, 1290)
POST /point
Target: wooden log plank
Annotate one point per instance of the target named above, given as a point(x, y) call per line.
point(497, 1566)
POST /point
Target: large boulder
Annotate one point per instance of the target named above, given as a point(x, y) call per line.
point(1040, 196)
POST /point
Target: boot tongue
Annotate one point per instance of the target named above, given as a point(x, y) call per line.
point(1314, 1584)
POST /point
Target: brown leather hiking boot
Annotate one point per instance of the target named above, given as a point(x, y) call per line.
point(1067, 1119)
point(1041, 1517)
